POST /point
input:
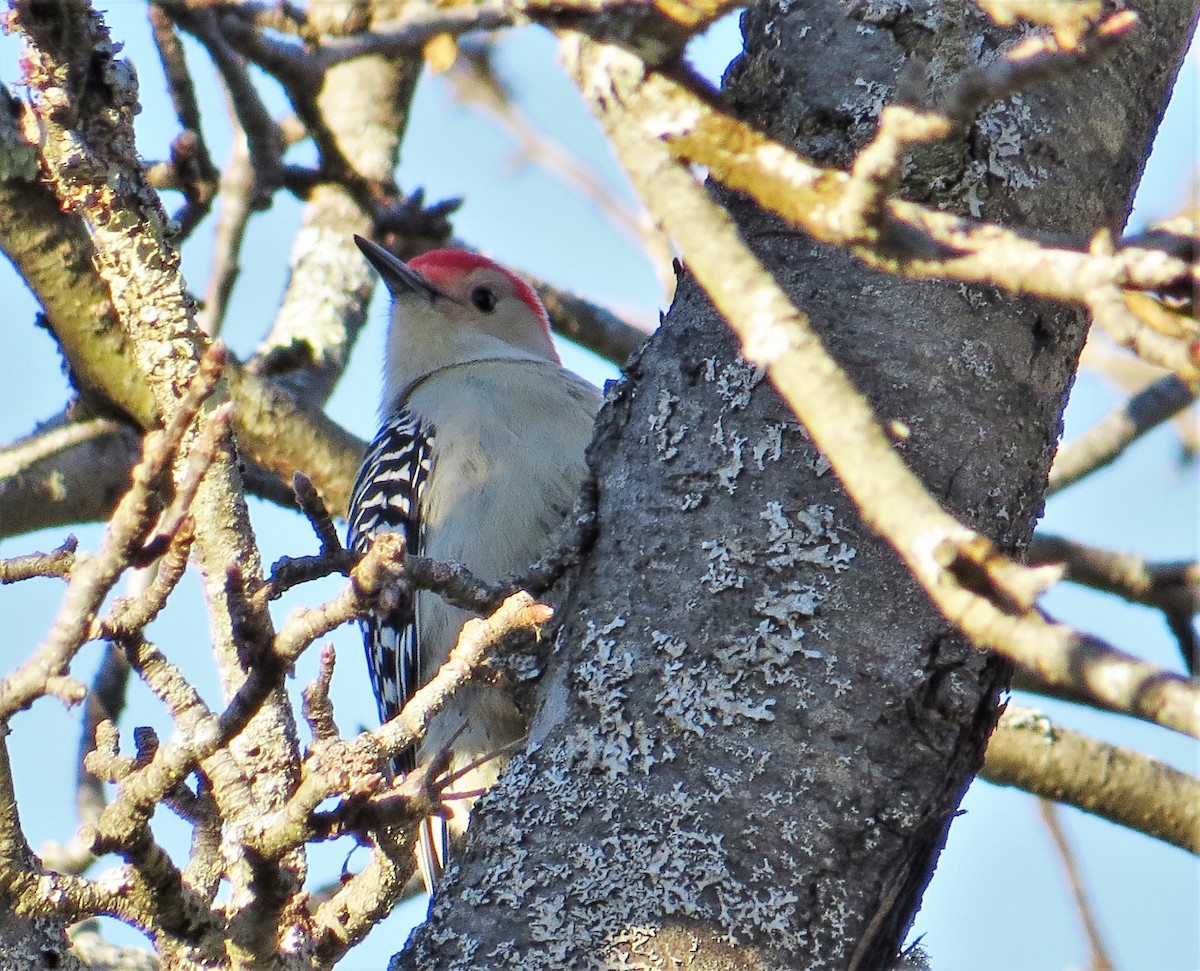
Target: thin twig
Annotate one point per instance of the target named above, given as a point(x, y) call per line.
point(264, 140)
point(64, 896)
point(415, 29)
point(216, 429)
point(191, 165)
point(318, 708)
point(131, 613)
point(360, 764)
point(57, 563)
point(1100, 960)
point(281, 18)
point(105, 701)
point(311, 504)
point(1161, 315)
point(237, 190)
point(290, 571)
point(861, 212)
point(365, 898)
point(142, 788)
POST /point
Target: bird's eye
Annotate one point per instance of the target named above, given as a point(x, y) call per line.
point(484, 299)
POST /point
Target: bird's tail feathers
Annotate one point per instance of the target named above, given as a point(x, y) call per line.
point(433, 840)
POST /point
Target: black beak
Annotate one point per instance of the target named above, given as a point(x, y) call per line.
point(398, 275)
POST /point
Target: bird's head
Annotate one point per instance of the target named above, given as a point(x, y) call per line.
point(453, 307)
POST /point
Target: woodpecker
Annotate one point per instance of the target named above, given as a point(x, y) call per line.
point(479, 459)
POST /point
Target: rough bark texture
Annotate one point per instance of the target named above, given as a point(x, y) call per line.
point(757, 728)
point(33, 944)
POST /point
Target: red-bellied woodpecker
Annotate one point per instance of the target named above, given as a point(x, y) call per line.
point(478, 461)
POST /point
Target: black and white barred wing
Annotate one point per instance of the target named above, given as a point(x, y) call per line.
point(387, 498)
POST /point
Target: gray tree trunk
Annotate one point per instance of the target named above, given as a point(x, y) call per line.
point(756, 729)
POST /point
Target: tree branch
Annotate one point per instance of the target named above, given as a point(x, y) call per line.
point(91, 580)
point(1104, 442)
point(1030, 752)
point(913, 241)
point(982, 592)
point(1174, 588)
point(55, 564)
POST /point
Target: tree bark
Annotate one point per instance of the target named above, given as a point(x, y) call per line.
point(756, 729)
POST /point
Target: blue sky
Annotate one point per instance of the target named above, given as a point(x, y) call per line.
point(999, 899)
